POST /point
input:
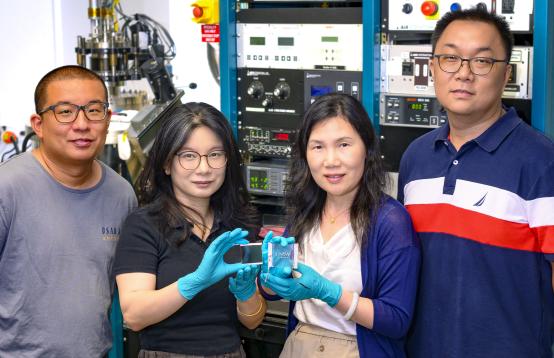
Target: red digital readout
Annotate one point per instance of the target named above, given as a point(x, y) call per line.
point(281, 136)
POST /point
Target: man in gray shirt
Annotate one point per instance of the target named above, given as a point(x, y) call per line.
point(60, 215)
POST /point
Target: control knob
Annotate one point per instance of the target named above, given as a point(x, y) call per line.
point(482, 6)
point(407, 8)
point(282, 90)
point(455, 7)
point(267, 102)
point(256, 89)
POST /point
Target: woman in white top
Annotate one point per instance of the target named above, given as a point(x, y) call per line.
point(353, 292)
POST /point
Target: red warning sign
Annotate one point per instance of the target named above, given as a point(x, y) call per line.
point(210, 33)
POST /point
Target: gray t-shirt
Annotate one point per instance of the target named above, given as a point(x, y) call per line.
point(56, 250)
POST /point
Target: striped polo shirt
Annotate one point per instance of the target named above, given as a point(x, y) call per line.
point(485, 217)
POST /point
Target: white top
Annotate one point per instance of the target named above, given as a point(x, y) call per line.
point(339, 261)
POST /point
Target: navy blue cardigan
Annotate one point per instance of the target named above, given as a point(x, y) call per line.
point(390, 263)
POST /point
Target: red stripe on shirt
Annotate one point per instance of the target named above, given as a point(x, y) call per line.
point(546, 237)
point(485, 229)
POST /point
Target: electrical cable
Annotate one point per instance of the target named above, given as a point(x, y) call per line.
point(6, 153)
point(158, 30)
point(14, 141)
point(119, 10)
point(24, 145)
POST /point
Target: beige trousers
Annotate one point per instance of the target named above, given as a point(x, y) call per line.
point(312, 341)
point(239, 353)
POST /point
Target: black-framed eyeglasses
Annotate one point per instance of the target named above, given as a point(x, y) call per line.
point(190, 159)
point(95, 111)
point(477, 65)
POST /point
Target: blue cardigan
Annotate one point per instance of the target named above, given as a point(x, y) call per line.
point(390, 270)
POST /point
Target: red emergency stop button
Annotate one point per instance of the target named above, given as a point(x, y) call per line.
point(9, 137)
point(197, 12)
point(429, 8)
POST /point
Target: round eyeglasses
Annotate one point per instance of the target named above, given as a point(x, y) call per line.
point(477, 65)
point(67, 112)
point(190, 160)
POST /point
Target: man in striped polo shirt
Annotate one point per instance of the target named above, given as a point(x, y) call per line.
point(480, 191)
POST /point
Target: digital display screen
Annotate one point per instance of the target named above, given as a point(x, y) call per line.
point(329, 39)
point(281, 136)
point(259, 179)
point(285, 41)
point(257, 41)
point(317, 91)
point(417, 104)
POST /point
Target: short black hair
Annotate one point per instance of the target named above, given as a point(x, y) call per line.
point(479, 15)
point(69, 72)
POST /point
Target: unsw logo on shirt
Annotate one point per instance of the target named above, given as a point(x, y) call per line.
point(110, 233)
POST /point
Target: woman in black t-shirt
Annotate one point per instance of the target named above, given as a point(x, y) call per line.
point(169, 262)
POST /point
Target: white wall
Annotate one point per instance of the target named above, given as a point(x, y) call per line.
point(71, 20)
point(28, 52)
point(39, 35)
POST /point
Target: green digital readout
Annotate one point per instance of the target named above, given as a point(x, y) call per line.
point(416, 106)
point(259, 180)
point(257, 41)
point(285, 41)
point(329, 39)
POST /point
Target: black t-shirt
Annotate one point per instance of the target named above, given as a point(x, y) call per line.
point(205, 325)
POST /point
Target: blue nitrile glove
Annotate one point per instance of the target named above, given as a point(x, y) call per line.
point(310, 285)
point(283, 241)
point(212, 268)
point(243, 286)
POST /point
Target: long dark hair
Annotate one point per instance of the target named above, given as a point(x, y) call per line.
point(305, 199)
point(154, 187)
